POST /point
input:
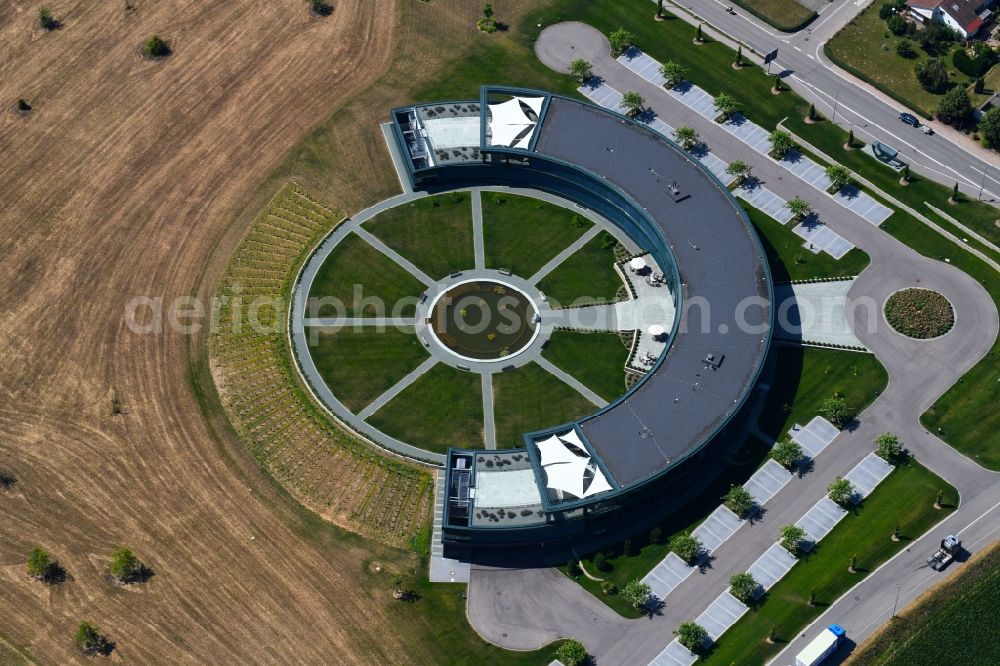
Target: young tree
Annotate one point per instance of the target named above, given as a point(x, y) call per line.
point(812, 112)
point(88, 638)
point(932, 75)
point(659, 8)
point(904, 49)
point(839, 176)
point(698, 37)
point(979, 86)
point(778, 85)
point(854, 564)
point(781, 143)
point(850, 139)
point(740, 170)
point(772, 635)
point(989, 127)
point(726, 105)
point(627, 548)
point(40, 564)
point(320, 7)
point(572, 653)
point(812, 598)
point(600, 562)
point(888, 447)
point(673, 72)
point(573, 567)
point(691, 635)
point(581, 69)
point(790, 537)
point(486, 22)
point(125, 566)
point(743, 586)
point(686, 547)
point(939, 502)
point(636, 593)
point(46, 19)
point(621, 40)
point(841, 491)
point(688, 137)
point(634, 103)
point(954, 194)
point(905, 173)
point(955, 106)
point(22, 105)
point(656, 535)
point(156, 47)
point(608, 587)
point(739, 56)
point(787, 452)
point(739, 500)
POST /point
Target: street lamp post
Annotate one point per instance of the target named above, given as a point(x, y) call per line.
point(836, 99)
point(983, 184)
point(896, 603)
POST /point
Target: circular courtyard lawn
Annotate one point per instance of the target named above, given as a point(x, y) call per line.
point(919, 313)
point(483, 320)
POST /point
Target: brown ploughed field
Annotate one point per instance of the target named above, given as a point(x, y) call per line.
point(133, 177)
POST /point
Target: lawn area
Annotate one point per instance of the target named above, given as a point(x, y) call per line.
point(789, 261)
point(905, 498)
point(786, 15)
point(442, 408)
point(867, 48)
point(523, 233)
point(361, 365)
point(596, 359)
point(435, 233)
point(806, 376)
point(957, 618)
point(621, 568)
point(355, 266)
point(529, 398)
point(588, 275)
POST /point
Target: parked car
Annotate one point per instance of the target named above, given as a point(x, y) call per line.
point(909, 119)
point(927, 129)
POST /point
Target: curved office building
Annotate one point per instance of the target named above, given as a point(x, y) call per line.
point(574, 479)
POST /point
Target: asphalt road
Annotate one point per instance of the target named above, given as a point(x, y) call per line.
point(522, 609)
point(860, 107)
point(866, 607)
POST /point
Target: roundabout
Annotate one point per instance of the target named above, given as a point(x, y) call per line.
point(921, 314)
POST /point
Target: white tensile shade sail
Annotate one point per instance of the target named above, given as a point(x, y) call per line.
point(567, 476)
point(553, 451)
point(656, 330)
point(506, 135)
point(637, 263)
point(508, 121)
point(599, 483)
point(574, 441)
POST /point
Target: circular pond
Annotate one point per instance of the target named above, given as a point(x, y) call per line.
point(483, 320)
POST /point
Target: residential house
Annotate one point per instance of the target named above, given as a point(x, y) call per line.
point(965, 17)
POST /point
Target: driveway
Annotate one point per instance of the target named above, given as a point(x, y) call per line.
point(919, 372)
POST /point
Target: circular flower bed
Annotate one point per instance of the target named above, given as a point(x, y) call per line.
point(919, 313)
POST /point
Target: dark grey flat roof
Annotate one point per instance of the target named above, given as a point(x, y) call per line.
point(721, 266)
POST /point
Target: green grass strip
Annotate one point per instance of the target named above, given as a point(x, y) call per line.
point(356, 273)
point(441, 408)
point(435, 233)
point(596, 359)
point(360, 365)
point(523, 234)
point(530, 398)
